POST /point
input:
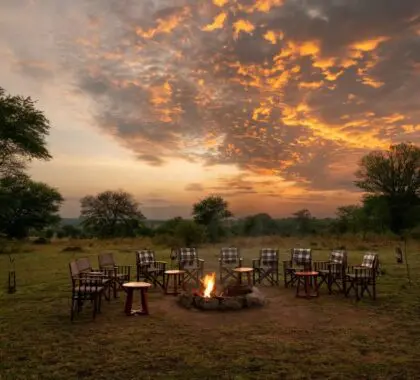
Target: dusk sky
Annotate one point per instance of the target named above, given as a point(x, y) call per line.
point(269, 103)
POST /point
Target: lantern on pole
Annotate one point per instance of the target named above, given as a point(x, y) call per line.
point(12, 276)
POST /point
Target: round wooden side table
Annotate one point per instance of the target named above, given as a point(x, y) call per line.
point(178, 278)
point(304, 280)
point(244, 270)
point(130, 287)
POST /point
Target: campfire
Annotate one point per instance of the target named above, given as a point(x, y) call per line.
point(208, 284)
point(231, 297)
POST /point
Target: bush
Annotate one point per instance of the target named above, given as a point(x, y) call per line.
point(41, 241)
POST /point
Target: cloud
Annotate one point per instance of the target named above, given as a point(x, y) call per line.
point(294, 89)
point(194, 187)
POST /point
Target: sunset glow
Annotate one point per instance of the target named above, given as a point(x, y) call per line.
point(269, 103)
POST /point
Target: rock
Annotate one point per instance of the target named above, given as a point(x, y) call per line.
point(210, 304)
point(186, 300)
point(233, 303)
point(256, 298)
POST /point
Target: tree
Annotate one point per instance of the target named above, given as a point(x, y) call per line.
point(23, 129)
point(111, 214)
point(27, 205)
point(394, 175)
point(303, 219)
point(210, 212)
point(259, 225)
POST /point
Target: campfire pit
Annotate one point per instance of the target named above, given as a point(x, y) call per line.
point(232, 297)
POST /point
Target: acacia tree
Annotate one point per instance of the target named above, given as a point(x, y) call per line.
point(27, 205)
point(111, 214)
point(394, 177)
point(303, 218)
point(23, 129)
point(210, 212)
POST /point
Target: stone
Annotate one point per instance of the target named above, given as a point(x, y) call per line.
point(186, 300)
point(210, 304)
point(255, 298)
point(233, 303)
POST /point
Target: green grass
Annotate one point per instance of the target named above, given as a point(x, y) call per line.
point(326, 338)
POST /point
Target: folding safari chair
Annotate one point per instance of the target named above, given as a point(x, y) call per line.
point(119, 274)
point(266, 267)
point(149, 269)
point(193, 266)
point(361, 279)
point(332, 272)
point(229, 259)
point(300, 260)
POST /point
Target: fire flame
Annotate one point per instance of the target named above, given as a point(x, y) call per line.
point(208, 282)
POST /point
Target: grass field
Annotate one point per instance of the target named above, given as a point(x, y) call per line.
point(326, 338)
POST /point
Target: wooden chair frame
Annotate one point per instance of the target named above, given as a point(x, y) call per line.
point(332, 272)
point(149, 269)
point(85, 269)
point(361, 279)
point(84, 288)
point(300, 260)
point(119, 274)
point(229, 259)
point(193, 266)
point(266, 267)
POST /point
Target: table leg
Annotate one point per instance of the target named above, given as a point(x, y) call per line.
point(316, 286)
point(144, 305)
point(167, 278)
point(129, 301)
point(176, 279)
point(239, 278)
point(248, 275)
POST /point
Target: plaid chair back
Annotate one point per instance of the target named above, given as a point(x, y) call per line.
point(106, 259)
point(83, 265)
point(187, 256)
point(338, 257)
point(74, 270)
point(145, 257)
point(370, 260)
point(269, 256)
point(229, 255)
point(301, 256)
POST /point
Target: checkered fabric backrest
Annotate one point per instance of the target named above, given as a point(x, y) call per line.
point(145, 257)
point(301, 256)
point(74, 270)
point(370, 260)
point(229, 255)
point(83, 264)
point(106, 259)
point(187, 256)
point(269, 256)
point(338, 257)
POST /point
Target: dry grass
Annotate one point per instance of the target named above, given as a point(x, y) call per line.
point(326, 338)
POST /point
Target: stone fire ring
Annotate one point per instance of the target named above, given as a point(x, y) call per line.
point(231, 301)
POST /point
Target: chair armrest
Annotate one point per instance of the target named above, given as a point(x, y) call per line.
point(256, 263)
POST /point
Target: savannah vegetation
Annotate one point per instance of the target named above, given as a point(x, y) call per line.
point(327, 338)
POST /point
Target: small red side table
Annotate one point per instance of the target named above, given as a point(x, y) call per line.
point(304, 279)
point(130, 287)
point(178, 278)
point(244, 270)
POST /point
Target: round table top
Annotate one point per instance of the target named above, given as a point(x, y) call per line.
point(174, 271)
point(137, 285)
point(243, 270)
point(306, 273)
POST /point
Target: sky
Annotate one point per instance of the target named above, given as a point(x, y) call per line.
point(269, 103)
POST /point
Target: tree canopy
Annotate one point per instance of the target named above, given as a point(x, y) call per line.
point(111, 213)
point(23, 129)
point(394, 177)
point(27, 205)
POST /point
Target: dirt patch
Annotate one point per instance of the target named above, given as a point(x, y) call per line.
point(283, 309)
